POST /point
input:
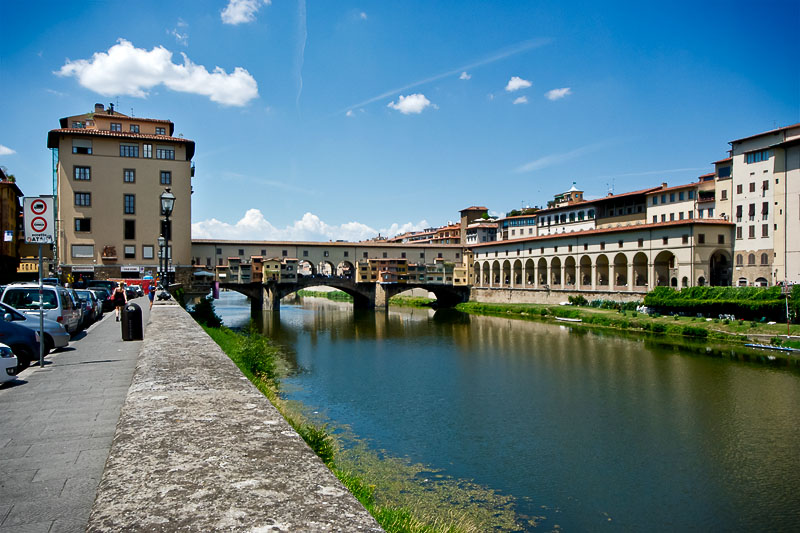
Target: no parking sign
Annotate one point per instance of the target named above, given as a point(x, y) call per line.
point(39, 219)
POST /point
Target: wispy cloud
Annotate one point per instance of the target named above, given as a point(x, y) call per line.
point(521, 100)
point(241, 11)
point(557, 94)
point(254, 226)
point(362, 16)
point(126, 70)
point(464, 76)
point(555, 159)
point(413, 104)
point(55, 93)
point(5, 150)
point(497, 56)
point(301, 49)
point(653, 172)
point(516, 83)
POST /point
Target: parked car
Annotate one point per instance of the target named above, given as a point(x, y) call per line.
point(131, 293)
point(55, 334)
point(51, 281)
point(57, 303)
point(76, 301)
point(23, 341)
point(8, 364)
point(104, 296)
point(102, 284)
point(95, 307)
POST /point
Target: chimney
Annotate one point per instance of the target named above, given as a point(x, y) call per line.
point(664, 185)
point(98, 108)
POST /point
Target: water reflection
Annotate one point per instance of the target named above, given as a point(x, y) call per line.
point(592, 425)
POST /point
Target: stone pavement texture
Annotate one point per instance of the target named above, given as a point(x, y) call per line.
point(199, 448)
point(56, 428)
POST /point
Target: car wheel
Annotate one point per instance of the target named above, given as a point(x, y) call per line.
point(48, 344)
point(24, 357)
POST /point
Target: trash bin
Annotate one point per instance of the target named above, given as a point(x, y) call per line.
point(132, 323)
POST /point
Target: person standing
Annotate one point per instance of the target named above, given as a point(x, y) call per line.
point(119, 298)
point(151, 295)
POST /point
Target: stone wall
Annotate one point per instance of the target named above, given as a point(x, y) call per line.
point(542, 296)
point(199, 448)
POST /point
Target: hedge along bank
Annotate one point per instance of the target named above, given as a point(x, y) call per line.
point(749, 303)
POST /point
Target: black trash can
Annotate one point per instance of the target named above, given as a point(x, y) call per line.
point(132, 323)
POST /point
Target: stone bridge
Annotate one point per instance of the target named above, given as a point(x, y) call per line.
point(267, 296)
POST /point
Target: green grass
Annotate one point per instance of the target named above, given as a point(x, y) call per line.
point(411, 301)
point(336, 296)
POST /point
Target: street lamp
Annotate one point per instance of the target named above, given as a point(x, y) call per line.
point(167, 204)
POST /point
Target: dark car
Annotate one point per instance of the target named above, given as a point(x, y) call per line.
point(104, 296)
point(102, 284)
point(23, 341)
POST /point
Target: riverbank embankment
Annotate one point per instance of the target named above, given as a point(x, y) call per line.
point(199, 448)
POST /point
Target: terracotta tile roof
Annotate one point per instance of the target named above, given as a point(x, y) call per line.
point(638, 227)
point(474, 208)
point(674, 187)
point(722, 161)
point(706, 175)
point(119, 134)
point(598, 200)
point(776, 130)
point(366, 244)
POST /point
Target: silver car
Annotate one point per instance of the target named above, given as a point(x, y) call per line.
point(55, 334)
point(96, 307)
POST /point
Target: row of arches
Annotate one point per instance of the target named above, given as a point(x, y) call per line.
point(344, 269)
point(615, 273)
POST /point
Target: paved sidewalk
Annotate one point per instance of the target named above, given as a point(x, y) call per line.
point(56, 428)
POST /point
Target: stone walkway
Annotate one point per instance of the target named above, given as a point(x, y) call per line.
point(56, 429)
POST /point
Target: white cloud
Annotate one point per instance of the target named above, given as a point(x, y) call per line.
point(516, 83)
point(558, 94)
point(350, 113)
point(126, 70)
point(253, 226)
point(241, 11)
point(464, 76)
point(181, 38)
point(362, 16)
point(554, 159)
point(413, 103)
point(5, 150)
point(521, 100)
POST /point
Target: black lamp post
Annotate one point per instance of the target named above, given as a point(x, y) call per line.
point(167, 204)
point(161, 242)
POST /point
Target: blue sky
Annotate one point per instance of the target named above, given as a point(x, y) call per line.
point(340, 119)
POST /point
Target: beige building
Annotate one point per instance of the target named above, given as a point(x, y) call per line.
point(112, 169)
point(766, 207)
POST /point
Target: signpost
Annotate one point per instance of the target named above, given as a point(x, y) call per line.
point(40, 225)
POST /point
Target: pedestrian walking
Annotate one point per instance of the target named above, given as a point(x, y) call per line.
point(119, 298)
point(151, 295)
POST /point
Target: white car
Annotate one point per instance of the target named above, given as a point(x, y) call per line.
point(8, 364)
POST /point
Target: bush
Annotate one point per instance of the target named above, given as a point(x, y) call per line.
point(748, 302)
point(658, 328)
point(578, 300)
point(205, 314)
point(692, 331)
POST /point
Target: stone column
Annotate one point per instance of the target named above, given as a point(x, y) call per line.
point(631, 281)
point(594, 276)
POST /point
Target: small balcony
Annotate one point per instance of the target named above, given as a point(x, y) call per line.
point(109, 253)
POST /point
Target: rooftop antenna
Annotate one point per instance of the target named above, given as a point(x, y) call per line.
point(132, 112)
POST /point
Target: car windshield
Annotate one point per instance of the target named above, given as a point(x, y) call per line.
point(84, 294)
point(28, 298)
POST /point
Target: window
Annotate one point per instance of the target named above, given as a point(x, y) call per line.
point(764, 259)
point(739, 260)
point(83, 199)
point(284, 253)
point(757, 157)
point(663, 198)
point(134, 128)
point(161, 131)
point(585, 246)
point(751, 232)
point(671, 197)
point(166, 177)
point(663, 218)
point(82, 173)
point(691, 195)
point(655, 200)
point(129, 175)
point(116, 126)
point(680, 215)
point(439, 255)
point(680, 196)
point(753, 187)
point(219, 261)
point(347, 254)
point(701, 238)
point(724, 194)
point(83, 224)
point(130, 251)
point(129, 203)
point(739, 189)
point(738, 232)
point(78, 125)
point(82, 146)
point(690, 214)
point(665, 240)
point(241, 252)
point(165, 152)
point(128, 150)
point(384, 255)
point(619, 243)
point(671, 217)
point(724, 172)
point(751, 212)
point(148, 251)
point(402, 255)
point(684, 239)
point(700, 213)
point(366, 255)
point(602, 246)
point(710, 212)
point(569, 249)
point(765, 210)
point(305, 253)
point(422, 255)
point(751, 259)
point(83, 250)
point(555, 249)
point(655, 219)
point(147, 150)
point(765, 230)
point(738, 213)
point(129, 231)
point(325, 253)
point(720, 239)
point(640, 243)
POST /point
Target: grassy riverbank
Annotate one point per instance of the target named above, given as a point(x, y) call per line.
point(336, 296)
point(402, 496)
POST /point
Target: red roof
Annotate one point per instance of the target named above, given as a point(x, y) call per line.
point(722, 161)
point(599, 231)
point(776, 130)
point(675, 187)
point(52, 137)
point(474, 208)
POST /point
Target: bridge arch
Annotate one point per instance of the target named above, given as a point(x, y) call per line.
point(346, 269)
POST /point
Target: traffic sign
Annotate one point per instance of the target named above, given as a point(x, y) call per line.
point(39, 219)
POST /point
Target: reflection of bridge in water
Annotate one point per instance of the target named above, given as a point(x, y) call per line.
point(266, 296)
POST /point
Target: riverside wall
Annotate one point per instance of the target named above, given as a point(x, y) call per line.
point(199, 448)
point(544, 296)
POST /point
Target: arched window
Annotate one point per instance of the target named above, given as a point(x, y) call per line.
point(751, 259)
point(674, 282)
point(761, 282)
point(701, 281)
point(764, 259)
point(685, 282)
point(739, 260)
point(563, 218)
point(572, 217)
point(591, 213)
point(581, 215)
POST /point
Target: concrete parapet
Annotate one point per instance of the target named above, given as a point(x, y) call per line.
point(199, 448)
point(544, 296)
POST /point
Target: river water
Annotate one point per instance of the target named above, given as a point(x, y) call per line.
point(588, 431)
